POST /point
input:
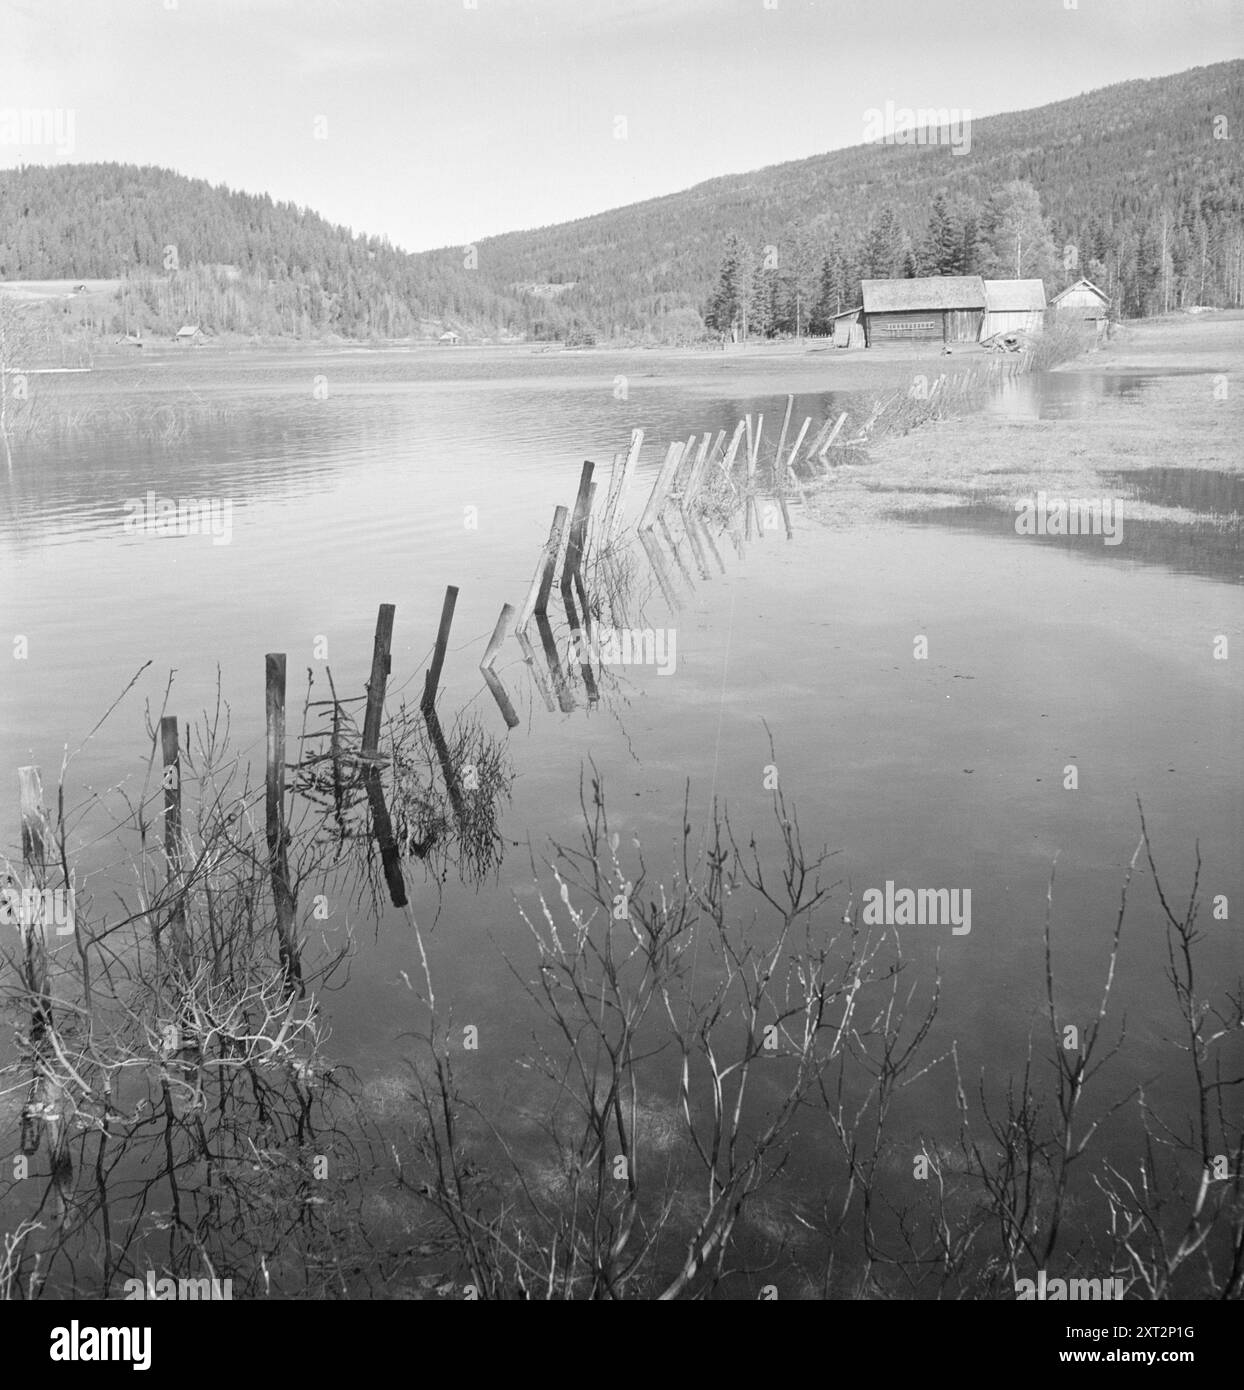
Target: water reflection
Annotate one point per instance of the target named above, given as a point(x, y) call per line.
point(1058, 395)
point(1204, 549)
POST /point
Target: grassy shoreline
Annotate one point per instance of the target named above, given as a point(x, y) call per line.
point(1188, 415)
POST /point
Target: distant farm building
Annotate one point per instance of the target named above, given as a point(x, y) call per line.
point(1083, 300)
point(933, 308)
point(189, 333)
point(450, 339)
point(1013, 306)
point(848, 331)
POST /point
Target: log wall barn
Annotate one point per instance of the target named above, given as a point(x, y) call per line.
point(933, 308)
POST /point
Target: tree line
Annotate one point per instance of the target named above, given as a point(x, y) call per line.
point(1133, 186)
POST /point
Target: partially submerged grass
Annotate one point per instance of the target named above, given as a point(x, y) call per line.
point(1177, 421)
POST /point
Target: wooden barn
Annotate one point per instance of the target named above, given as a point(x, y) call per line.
point(932, 308)
point(1013, 306)
point(1083, 300)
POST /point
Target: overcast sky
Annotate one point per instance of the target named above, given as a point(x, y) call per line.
point(443, 121)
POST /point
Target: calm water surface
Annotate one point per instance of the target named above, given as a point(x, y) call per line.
point(362, 478)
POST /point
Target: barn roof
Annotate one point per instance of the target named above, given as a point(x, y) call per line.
point(1008, 295)
point(1082, 285)
point(924, 292)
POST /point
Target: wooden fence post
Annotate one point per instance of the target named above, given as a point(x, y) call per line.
point(824, 449)
point(537, 599)
point(277, 834)
point(171, 754)
point(777, 458)
point(381, 665)
point(497, 638)
point(578, 525)
point(617, 502)
point(656, 499)
point(36, 844)
point(432, 681)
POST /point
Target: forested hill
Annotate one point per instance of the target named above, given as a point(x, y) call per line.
point(1143, 179)
point(1107, 166)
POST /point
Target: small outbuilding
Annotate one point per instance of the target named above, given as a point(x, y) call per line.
point(450, 339)
point(847, 330)
point(929, 308)
point(1083, 300)
point(1013, 306)
point(189, 333)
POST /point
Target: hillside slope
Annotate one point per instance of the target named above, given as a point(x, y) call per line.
point(1132, 175)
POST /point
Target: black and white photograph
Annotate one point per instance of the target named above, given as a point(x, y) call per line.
point(621, 663)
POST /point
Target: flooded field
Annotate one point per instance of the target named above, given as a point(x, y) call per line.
point(946, 703)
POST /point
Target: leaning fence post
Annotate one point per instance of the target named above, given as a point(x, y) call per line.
point(777, 458)
point(605, 520)
point(616, 510)
point(498, 636)
point(794, 453)
point(578, 525)
point(277, 834)
point(656, 499)
point(824, 449)
point(433, 679)
point(542, 581)
point(381, 665)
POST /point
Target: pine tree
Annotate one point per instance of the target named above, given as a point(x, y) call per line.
point(725, 306)
point(884, 247)
point(825, 305)
point(942, 250)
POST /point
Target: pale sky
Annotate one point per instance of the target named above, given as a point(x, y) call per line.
point(445, 121)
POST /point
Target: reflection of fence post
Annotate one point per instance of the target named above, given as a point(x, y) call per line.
point(382, 824)
point(794, 453)
point(432, 681)
point(493, 682)
point(537, 600)
point(448, 771)
point(170, 750)
point(381, 665)
point(537, 674)
point(277, 834)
